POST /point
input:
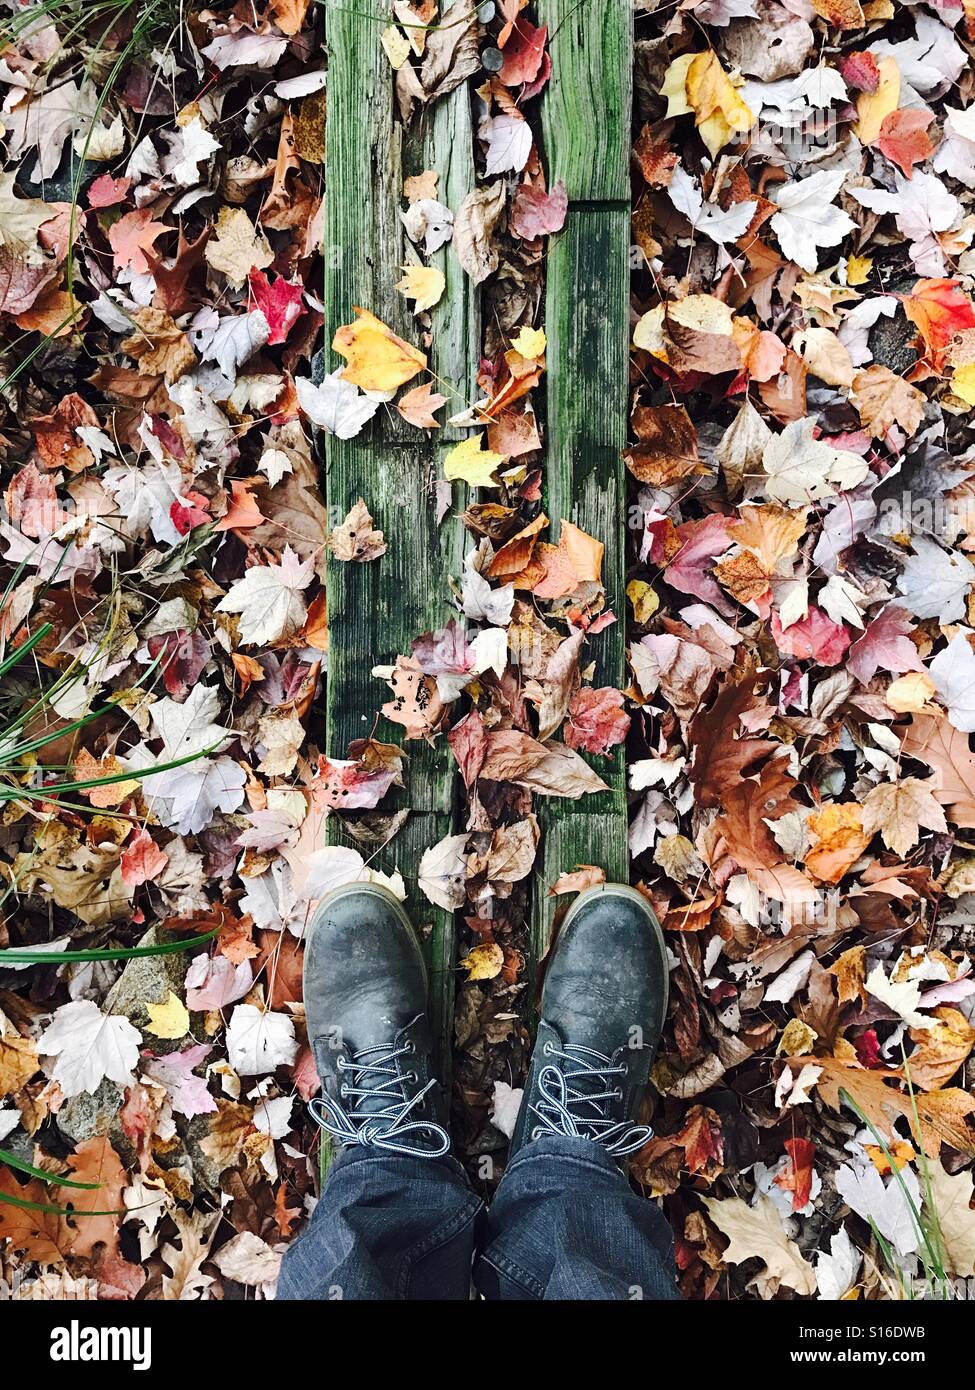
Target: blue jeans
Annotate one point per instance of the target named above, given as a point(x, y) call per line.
point(564, 1224)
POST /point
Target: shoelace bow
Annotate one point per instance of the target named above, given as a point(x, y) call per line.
point(391, 1128)
point(580, 1110)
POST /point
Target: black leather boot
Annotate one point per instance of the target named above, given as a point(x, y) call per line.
point(365, 985)
point(603, 1007)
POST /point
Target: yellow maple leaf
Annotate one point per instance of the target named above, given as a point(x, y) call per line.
point(484, 962)
point(377, 359)
point(702, 312)
point(395, 46)
point(858, 269)
point(719, 112)
point(841, 14)
point(797, 1039)
point(644, 599)
point(675, 86)
point(469, 462)
point(422, 283)
point(963, 383)
point(530, 342)
point(168, 1020)
point(238, 247)
point(909, 694)
point(872, 107)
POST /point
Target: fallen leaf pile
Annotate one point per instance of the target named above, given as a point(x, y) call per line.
point(800, 639)
point(163, 546)
point(798, 610)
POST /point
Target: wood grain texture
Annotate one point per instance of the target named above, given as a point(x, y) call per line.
point(586, 109)
point(586, 125)
point(377, 609)
point(448, 147)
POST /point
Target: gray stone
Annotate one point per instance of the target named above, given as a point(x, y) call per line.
point(72, 174)
point(206, 1173)
point(88, 1116)
point(890, 343)
point(148, 980)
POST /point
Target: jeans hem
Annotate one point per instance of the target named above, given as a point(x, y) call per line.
point(508, 1269)
point(581, 1152)
point(450, 1230)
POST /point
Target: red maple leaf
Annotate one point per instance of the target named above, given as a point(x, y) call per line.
point(281, 302)
point(796, 1177)
point(597, 720)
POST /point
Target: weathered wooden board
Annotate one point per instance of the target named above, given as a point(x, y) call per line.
point(586, 122)
point(376, 609)
point(587, 105)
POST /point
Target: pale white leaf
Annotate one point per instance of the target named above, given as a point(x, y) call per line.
point(935, 584)
point(269, 599)
point(249, 1260)
point(953, 673)
point(807, 219)
point(88, 1046)
point(442, 875)
point(509, 143)
point(245, 49)
point(837, 1269)
point(189, 726)
point(901, 997)
point(505, 1105)
point(337, 406)
point(892, 1211)
point(802, 469)
point(258, 1042)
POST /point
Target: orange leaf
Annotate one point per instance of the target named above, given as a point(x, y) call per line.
point(94, 1160)
point(942, 1114)
point(577, 559)
point(702, 1141)
point(377, 359)
point(797, 1175)
point(904, 139)
point(243, 511)
point(418, 405)
point(248, 669)
point(841, 14)
point(142, 859)
point(36, 1234)
point(939, 309)
point(57, 444)
point(132, 238)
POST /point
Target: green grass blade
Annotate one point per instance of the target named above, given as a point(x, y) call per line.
point(135, 774)
point(12, 1161)
point(16, 956)
point(59, 1211)
point(928, 1254)
point(20, 652)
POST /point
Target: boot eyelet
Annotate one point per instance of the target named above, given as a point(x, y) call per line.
point(537, 1132)
point(340, 1065)
point(618, 1093)
point(411, 1076)
point(343, 1091)
point(409, 1048)
point(547, 1049)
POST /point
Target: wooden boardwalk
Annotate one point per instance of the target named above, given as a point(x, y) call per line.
point(586, 144)
point(376, 610)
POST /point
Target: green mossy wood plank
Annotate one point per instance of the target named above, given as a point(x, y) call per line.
point(586, 119)
point(586, 109)
point(377, 609)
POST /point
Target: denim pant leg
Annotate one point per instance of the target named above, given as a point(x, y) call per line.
point(387, 1226)
point(565, 1224)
